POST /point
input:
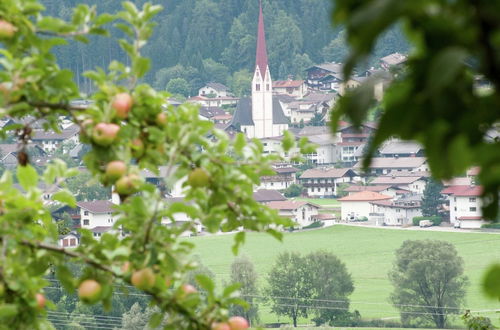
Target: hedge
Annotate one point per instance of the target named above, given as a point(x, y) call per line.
point(436, 220)
point(317, 224)
point(491, 225)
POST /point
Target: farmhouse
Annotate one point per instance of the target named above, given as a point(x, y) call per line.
point(296, 88)
point(49, 141)
point(398, 212)
point(285, 176)
point(96, 214)
point(214, 90)
point(322, 182)
point(384, 165)
point(395, 149)
point(303, 213)
point(415, 184)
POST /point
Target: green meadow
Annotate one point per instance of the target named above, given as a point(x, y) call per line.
point(368, 254)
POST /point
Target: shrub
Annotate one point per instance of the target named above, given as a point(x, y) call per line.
point(436, 221)
point(317, 224)
point(491, 225)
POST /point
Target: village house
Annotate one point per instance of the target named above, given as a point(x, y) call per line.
point(388, 190)
point(359, 205)
point(393, 149)
point(326, 151)
point(398, 212)
point(391, 60)
point(265, 196)
point(324, 182)
point(415, 184)
point(213, 102)
point(96, 214)
point(49, 141)
point(384, 165)
point(295, 88)
point(8, 154)
point(303, 213)
point(70, 240)
point(214, 90)
point(285, 176)
point(465, 206)
point(326, 76)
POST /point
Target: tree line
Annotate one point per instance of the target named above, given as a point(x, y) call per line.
point(215, 40)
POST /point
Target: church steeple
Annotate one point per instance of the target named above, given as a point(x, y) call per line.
point(261, 56)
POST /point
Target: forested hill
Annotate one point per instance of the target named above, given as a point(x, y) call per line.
point(202, 40)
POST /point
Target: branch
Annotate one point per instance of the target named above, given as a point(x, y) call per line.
point(72, 254)
point(64, 35)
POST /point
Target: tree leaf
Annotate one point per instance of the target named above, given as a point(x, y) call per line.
point(65, 196)
point(27, 176)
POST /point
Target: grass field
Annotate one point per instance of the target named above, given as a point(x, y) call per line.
point(368, 254)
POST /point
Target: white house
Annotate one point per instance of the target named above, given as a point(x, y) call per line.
point(359, 205)
point(303, 213)
point(381, 189)
point(214, 90)
point(70, 240)
point(96, 214)
point(398, 212)
point(326, 151)
point(322, 182)
point(285, 176)
point(465, 206)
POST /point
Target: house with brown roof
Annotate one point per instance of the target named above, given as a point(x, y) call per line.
point(415, 184)
point(324, 182)
point(388, 190)
point(296, 88)
point(465, 206)
point(285, 176)
point(383, 165)
point(359, 205)
point(303, 213)
point(267, 195)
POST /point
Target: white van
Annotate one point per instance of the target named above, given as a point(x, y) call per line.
point(425, 223)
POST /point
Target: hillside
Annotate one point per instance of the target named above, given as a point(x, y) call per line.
point(203, 40)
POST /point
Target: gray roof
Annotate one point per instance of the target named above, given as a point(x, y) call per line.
point(217, 86)
point(394, 59)
point(400, 147)
point(332, 67)
point(265, 195)
point(51, 135)
point(243, 113)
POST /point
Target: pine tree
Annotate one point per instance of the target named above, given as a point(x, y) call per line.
point(432, 199)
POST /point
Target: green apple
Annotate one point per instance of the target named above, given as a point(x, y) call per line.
point(7, 29)
point(115, 170)
point(128, 184)
point(198, 178)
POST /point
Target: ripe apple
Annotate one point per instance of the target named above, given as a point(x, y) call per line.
point(7, 30)
point(122, 103)
point(40, 300)
point(128, 184)
point(220, 326)
point(161, 119)
point(143, 279)
point(115, 170)
point(105, 134)
point(89, 291)
point(137, 147)
point(238, 323)
point(198, 178)
point(188, 289)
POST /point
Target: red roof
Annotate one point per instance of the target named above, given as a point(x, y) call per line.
point(470, 218)
point(261, 56)
point(364, 196)
point(463, 191)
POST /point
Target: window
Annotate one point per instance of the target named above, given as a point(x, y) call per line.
point(472, 209)
point(86, 222)
point(267, 87)
point(65, 242)
point(72, 242)
point(85, 212)
point(257, 87)
point(472, 199)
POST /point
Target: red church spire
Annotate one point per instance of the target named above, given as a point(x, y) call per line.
point(261, 57)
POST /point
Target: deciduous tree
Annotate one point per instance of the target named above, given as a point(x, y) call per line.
point(243, 272)
point(428, 280)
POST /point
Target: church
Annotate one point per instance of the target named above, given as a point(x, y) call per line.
point(261, 115)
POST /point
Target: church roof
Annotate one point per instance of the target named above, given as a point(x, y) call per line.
point(261, 56)
point(243, 113)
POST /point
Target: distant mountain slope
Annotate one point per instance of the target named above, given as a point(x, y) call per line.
point(190, 32)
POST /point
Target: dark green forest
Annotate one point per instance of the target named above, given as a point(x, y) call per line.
point(215, 40)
